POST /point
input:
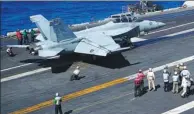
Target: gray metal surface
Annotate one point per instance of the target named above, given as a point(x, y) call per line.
point(31, 90)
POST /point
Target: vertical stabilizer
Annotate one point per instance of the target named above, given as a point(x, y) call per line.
point(42, 24)
point(54, 30)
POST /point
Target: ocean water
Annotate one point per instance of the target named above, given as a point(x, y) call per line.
point(15, 15)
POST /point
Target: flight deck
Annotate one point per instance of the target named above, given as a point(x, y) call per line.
point(29, 83)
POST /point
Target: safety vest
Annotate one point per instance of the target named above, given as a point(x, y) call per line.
point(166, 77)
point(137, 81)
point(19, 35)
point(57, 100)
point(175, 78)
point(141, 75)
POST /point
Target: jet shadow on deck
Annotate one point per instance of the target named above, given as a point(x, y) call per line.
point(63, 63)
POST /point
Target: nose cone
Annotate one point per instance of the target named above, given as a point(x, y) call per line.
point(160, 24)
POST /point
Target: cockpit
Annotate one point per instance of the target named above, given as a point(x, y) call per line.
point(123, 18)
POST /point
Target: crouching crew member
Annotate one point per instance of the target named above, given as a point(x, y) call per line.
point(75, 75)
point(10, 52)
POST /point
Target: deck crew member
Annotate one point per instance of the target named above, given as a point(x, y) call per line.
point(137, 88)
point(185, 72)
point(166, 80)
point(188, 86)
point(32, 33)
point(141, 75)
point(175, 79)
point(57, 102)
point(10, 52)
point(25, 36)
point(19, 37)
point(176, 69)
point(167, 70)
point(151, 79)
point(181, 68)
point(75, 75)
point(184, 85)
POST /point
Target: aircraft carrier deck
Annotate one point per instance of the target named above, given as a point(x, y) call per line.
point(29, 83)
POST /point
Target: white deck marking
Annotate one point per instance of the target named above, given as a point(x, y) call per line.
point(25, 74)
point(171, 28)
point(134, 41)
point(16, 67)
point(182, 32)
point(181, 109)
point(23, 65)
point(128, 77)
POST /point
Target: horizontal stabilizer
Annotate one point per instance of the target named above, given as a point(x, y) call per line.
point(40, 37)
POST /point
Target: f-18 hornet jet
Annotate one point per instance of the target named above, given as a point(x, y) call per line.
point(56, 38)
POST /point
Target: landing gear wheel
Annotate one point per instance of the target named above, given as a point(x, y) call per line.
point(138, 35)
point(94, 58)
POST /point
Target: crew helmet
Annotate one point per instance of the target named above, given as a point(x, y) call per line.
point(175, 73)
point(57, 94)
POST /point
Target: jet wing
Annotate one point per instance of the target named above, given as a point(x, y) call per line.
point(118, 31)
point(97, 44)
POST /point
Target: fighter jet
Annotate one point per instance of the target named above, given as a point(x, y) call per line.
point(57, 39)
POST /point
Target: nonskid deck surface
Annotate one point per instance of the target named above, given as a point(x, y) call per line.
point(117, 99)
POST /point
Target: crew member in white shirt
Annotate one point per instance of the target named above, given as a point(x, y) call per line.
point(166, 80)
point(75, 75)
point(151, 79)
point(175, 79)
